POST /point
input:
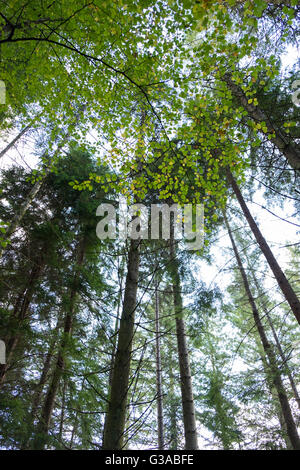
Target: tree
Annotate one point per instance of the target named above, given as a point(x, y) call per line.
point(286, 410)
point(189, 416)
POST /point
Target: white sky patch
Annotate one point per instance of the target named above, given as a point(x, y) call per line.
point(290, 57)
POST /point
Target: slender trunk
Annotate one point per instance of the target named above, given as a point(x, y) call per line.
point(284, 360)
point(274, 396)
point(188, 407)
point(283, 283)
point(131, 417)
point(281, 140)
point(173, 406)
point(23, 209)
point(40, 386)
point(14, 224)
point(74, 429)
point(173, 414)
point(216, 382)
point(116, 414)
point(62, 413)
point(18, 137)
point(284, 429)
point(44, 423)
point(280, 350)
point(116, 329)
point(275, 372)
point(160, 422)
point(75, 426)
point(114, 346)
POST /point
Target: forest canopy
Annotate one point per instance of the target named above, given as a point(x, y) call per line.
point(137, 338)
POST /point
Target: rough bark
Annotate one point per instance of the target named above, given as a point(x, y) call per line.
point(280, 277)
point(274, 369)
point(281, 140)
point(116, 414)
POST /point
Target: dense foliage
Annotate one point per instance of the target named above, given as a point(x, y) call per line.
point(141, 343)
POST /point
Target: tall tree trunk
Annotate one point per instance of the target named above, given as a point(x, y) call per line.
point(116, 329)
point(44, 423)
point(173, 415)
point(62, 412)
point(174, 435)
point(160, 422)
point(116, 414)
point(281, 140)
point(284, 360)
point(275, 371)
point(188, 407)
point(43, 379)
point(274, 396)
point(280, 277)
point(278, 345)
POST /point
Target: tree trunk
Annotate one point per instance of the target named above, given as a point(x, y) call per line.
point(62, 413)
point(37, 186)
point(189, 418)
point(283, 283)
point(116, 414)
point(160, 422)
point(47, 364)
point(23, 209)
point(281, 140)
point(275, 398)
point(280, 350)
point(44, 423)
point(18, 137)
point(174, 435)
point(275, 372)
point(116, 329)
point(173, 415)
point(284, 360)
